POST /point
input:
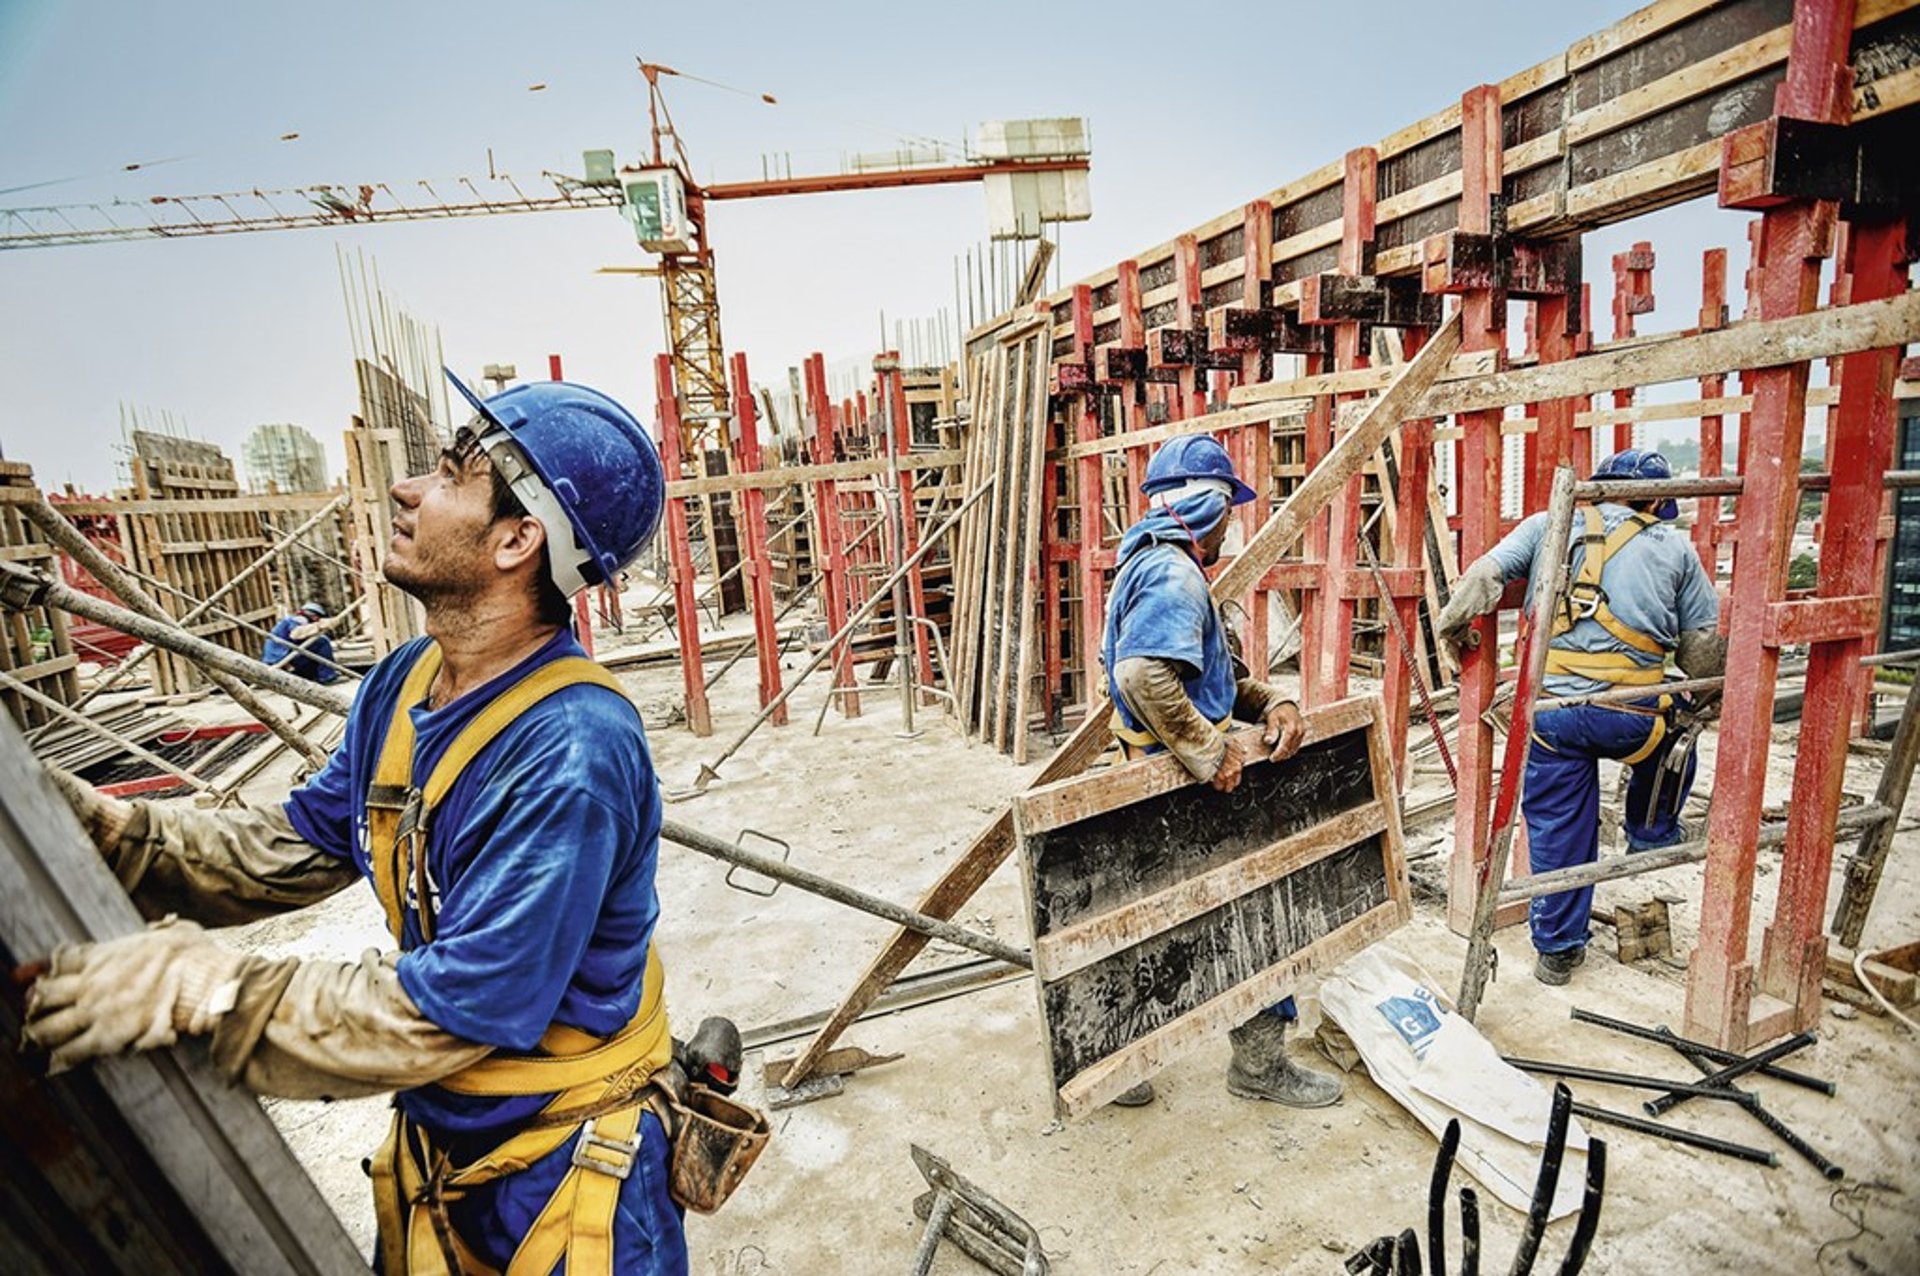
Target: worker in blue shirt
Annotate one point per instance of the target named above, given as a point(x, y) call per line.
point(299, 644)
point(1176, 685)
point(1637, 594)
point(497, 791)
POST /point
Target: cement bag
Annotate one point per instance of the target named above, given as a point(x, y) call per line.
point(1439, 1066)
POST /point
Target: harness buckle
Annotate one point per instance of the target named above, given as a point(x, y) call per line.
point(618, 1156)
point(1584, 599)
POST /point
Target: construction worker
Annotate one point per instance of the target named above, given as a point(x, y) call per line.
point(496, 789)
point(299, 644)
point(1637, 594)
point(1176, 684)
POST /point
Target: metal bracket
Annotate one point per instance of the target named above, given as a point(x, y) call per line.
point(786, 853)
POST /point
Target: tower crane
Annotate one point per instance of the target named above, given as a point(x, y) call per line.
point(1034, 169)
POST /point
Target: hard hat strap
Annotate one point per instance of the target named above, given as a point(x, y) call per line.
point(565, 557)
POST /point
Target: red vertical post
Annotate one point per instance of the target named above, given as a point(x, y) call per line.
point(1409, 558)
point(1133, 336)
point(1713, 315)
point(1582, 456)
point(894, 386)
point(1632, 295)
point(686, 607)
point(1359, 184)
point(1191, 400)
point(759, 565)
point(1483, 322)
point(831, 558)
point(1722, 1006)
point(1793, 956)
point(1256, 248)
point(1091, 476)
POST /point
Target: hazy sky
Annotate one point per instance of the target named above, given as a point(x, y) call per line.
point(228, 332)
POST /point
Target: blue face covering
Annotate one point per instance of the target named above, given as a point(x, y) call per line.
point(1186, 521)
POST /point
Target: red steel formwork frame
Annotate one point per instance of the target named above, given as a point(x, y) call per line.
point(680, 552)
point(1706, 510)
point(1729, 1002)
point(830, 561)
point(753, 524)
point(1256, 365)
point(893, 391)
point(1632, 295)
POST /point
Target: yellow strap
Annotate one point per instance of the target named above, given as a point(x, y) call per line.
point(643, 1040)
point(577, 1221)
point(1600, 549)
point(1654, 737)
point(1615, 667)
point(392, 778)
point(1146, 739)
point(393, 773)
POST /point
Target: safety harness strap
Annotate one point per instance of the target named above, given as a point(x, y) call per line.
point(1587, 600)
point(1135, 741)
point(606, 1077)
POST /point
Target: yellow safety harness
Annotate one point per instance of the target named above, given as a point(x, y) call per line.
point(600, 1085)
point(1134, 743)
point(1585, 599)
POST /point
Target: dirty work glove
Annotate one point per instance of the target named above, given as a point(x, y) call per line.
point(138, 992)
point(105, 818)
point(1475, 593)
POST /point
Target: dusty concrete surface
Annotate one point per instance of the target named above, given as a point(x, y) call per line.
point(1200, 1181)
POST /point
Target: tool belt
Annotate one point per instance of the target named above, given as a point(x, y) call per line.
point(601, 1086)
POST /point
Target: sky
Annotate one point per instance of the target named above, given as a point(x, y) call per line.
point(223, 333)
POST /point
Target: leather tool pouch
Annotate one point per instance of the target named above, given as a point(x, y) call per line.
point(715, 1142)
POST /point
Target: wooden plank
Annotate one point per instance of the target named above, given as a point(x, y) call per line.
point(797, 475)
point(219, 1150)
point(1050, 806)
point(1076, 947)
point(1766, 50)
point(1632, 29)
point(1154, 914)
point(1690, 409)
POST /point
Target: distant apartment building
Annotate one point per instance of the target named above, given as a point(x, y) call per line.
point(284, 457)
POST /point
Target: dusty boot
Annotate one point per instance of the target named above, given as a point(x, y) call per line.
point(1261, 1069)
point(1557, 968)
point(1137, 1097)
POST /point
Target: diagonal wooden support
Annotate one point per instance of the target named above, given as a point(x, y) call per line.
point(990, 848)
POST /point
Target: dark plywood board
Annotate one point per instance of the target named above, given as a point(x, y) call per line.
point(1308, 212)
point(1158, 275)
point(1164, 911)
point(1698, 38)
point(1312, 263)
point(1415, 227)
point(1227, 246)
point(1100, 863)
point(1417, 165)
point(1886, 48)
point(1534, 115)
point(1100, 1010)
point(1701, 119)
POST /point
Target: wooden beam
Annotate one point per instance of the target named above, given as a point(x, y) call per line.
point(796, 475)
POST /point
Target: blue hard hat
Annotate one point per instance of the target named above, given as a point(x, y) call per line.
point(1640, 464)
point(1189, 457)
point(574, 456)
point(314, 609)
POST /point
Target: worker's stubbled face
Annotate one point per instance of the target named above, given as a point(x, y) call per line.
point(1209, 545)
point(444, 529)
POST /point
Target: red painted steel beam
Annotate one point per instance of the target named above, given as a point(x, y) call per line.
point(1090, 476)
point(1336, 612)
point(1838, 623)
point(830, 558)
point(1133, 336)
point(1478, 481)
point(1793, 239)
point(1256, 240)
point(894, 386)
point(827, 183)
point(1706, 509)
point(686, 607)
point(1632, 295)
point(759, 568)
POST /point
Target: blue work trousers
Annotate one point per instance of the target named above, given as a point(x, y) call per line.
point(1561, 802)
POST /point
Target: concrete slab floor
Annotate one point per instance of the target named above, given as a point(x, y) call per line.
point(1200, 1181)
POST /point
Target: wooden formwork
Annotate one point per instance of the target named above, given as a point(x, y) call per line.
point(189, 532)
point(376, 458)
point(34, 645)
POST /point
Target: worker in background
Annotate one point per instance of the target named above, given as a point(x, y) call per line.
point(496, 789)
point(1176, 684)
point(299, 643)
point(1637, 594)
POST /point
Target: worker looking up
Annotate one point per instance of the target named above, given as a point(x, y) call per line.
point(496, 789)
point(1176, 684)
point(1637, 593)
point(299, 644)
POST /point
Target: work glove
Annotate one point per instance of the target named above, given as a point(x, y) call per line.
point(139, 992)
point(1475, 593)
point(105, 818)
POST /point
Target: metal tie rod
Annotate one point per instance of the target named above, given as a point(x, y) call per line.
point(813, 883)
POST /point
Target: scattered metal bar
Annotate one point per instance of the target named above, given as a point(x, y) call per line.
point(1713, 1053)
point(1575, 1072)
point(1812, 1155)
point(1674, 1134)
point(813, 883)
point(1732, 1072)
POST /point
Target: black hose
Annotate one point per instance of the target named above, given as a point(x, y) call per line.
point(1544, 1186)
point(1589, 1221)
point(1469, 1232)
point(1437, 1197)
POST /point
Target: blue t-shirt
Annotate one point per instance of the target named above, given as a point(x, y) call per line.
point(541, 859)
point(1655, 584)
point(280, 645)
point(1160, 607)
